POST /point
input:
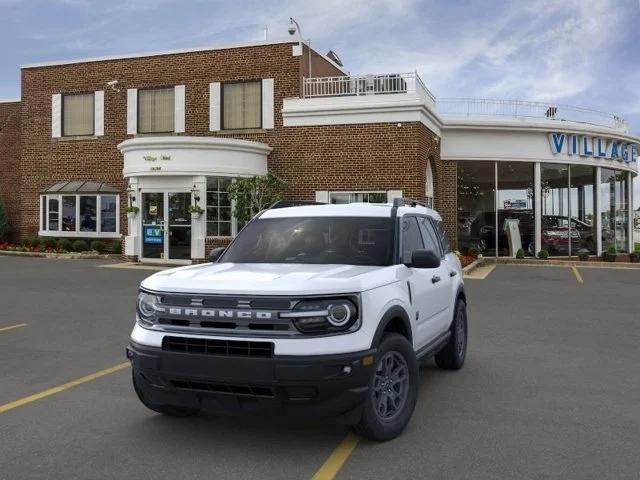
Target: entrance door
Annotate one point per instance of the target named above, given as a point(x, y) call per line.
point(166, 226)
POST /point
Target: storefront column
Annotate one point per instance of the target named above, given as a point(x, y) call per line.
point(537, 189)
point(199, 225)
point(598, 211)
point(133, 200)
point(630, 209)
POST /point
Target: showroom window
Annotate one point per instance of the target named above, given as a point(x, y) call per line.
point(80, 215)
point(242, 105)
point(476, 207)
point(356, 197)
point(78, 114)
point(219, 209)
point(156, 110)
point(614, 192)
point(555, 210)
point(582, 204)
point(516, 212)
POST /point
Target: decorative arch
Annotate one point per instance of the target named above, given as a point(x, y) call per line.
point(429, 190)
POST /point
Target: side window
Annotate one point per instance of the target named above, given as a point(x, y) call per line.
point(430, 237)
point(411, 238)
point(444, 239)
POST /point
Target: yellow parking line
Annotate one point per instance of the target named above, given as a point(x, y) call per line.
point(11, 327)
point(333, 464)
point(60, 388)
point(577, 274)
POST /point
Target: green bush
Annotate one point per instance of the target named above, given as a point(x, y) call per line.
point(30, 242)
point(65, 244)
point(473, 251)
point(80, 246)
point(98, 246)
point(583, 255)
point(520, 253)
point(543, 254)
point(116, 247)
point(612, 249)
point(48, 242)
point(634, 257)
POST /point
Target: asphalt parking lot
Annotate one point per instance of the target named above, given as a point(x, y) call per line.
point(551, 389)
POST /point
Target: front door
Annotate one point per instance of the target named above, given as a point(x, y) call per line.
point(166, 226)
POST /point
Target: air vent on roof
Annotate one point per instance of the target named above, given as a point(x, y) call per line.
point(334, 56)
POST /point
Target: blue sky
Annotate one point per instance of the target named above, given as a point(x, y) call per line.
point(580, 52)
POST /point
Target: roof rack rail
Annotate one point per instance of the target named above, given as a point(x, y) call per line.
point(411, 202)
point(294, 203)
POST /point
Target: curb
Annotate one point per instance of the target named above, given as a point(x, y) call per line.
point(565, 263)
point(62, 256)
point(473, 265)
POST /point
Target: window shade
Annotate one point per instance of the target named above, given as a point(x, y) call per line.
point(156, 109)
point(78, 111)
point(242, 105)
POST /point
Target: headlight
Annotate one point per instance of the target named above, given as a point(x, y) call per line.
point(148, 307)
point(324, 316)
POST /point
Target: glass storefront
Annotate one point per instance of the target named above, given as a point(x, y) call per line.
point(496, 207)
point(477, 207)
point(516, 209)
point(614, 194)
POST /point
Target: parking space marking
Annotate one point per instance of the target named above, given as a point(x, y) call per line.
point(134, 266)
point(61, 388)
point(334, 463)
point(12, 327)
point(577, 274)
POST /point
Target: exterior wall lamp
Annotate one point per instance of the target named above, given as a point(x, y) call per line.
point(293, 28)
point(195, 192)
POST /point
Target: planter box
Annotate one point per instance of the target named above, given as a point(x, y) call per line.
point(131, 216)
point(195, 216)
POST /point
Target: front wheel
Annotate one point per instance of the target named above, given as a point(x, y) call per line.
point(452, 356)
point(393, 390)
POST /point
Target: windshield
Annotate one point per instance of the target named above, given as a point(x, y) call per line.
point(337, 240)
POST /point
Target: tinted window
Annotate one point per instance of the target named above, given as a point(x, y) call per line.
point(317, 240)
point(430, 237)
point(411, 238)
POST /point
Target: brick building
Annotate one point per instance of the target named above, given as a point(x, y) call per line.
point(164, 131)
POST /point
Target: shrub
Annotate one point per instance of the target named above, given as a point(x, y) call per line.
point(520, 253)
point(583, 255)
point(30, 242)
point(634, 257)
point(612, 249)
point(65, 244)
point(98, 246)
point(543, 254)
point(80, 246)
point(116, 247)
point(48, 242)
point(4, 222)
point(473, 251)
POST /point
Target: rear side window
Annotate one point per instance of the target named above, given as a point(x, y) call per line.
point(430, 236)
point(444, 239)
point(411, 238)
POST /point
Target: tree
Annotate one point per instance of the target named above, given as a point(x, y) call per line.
point(253, 194)
point(4, 222)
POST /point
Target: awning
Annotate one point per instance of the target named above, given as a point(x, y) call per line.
point(81, 186)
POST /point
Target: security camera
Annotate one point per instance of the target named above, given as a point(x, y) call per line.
point(292, 27)
point(112, 84)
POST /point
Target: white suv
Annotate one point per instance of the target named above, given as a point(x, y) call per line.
point(322, 309)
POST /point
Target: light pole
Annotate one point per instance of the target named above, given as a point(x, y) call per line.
point(293, 28)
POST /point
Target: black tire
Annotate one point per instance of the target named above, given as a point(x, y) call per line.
point(169, 410)
point(385, 425)
point(452, 356)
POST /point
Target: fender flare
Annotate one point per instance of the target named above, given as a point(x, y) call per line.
point(395, 311)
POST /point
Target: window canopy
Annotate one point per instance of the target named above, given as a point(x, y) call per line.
point(81, 186)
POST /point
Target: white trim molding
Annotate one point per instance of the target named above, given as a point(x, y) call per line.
point(215, 99)
point(98, 113)
point(56, 115)
point(132, 111)
point(267, 103)
point(179, 98)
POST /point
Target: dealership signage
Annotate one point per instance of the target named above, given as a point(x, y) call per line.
point(597, 147)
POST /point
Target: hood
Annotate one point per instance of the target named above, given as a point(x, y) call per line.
point(270, 279)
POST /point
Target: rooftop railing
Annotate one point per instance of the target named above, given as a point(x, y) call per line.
point(472, 107)
point(365, 85)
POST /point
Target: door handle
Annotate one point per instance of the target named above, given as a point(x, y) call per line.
point(453, 273)
point(435, 279)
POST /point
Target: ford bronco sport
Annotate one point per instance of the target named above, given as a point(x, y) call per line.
point(321, 309)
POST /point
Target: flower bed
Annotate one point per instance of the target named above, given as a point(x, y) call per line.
point(466, 260)
point(24, 248)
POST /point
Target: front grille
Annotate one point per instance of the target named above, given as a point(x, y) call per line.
point(230, 348)
point(242, 390)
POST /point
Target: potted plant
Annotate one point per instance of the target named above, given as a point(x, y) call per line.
point(196, 211)
point(611, 254)
point(132, 211)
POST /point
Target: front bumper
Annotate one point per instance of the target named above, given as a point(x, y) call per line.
point(323, 385)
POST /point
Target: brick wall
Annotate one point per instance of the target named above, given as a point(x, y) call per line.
point(10, 162)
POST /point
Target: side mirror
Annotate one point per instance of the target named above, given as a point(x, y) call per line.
point(424, 259)
point(215, 254)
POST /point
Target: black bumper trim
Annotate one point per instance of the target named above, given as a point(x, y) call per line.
point(319, 385)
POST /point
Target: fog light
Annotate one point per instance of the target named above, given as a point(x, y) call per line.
point(368, 360)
